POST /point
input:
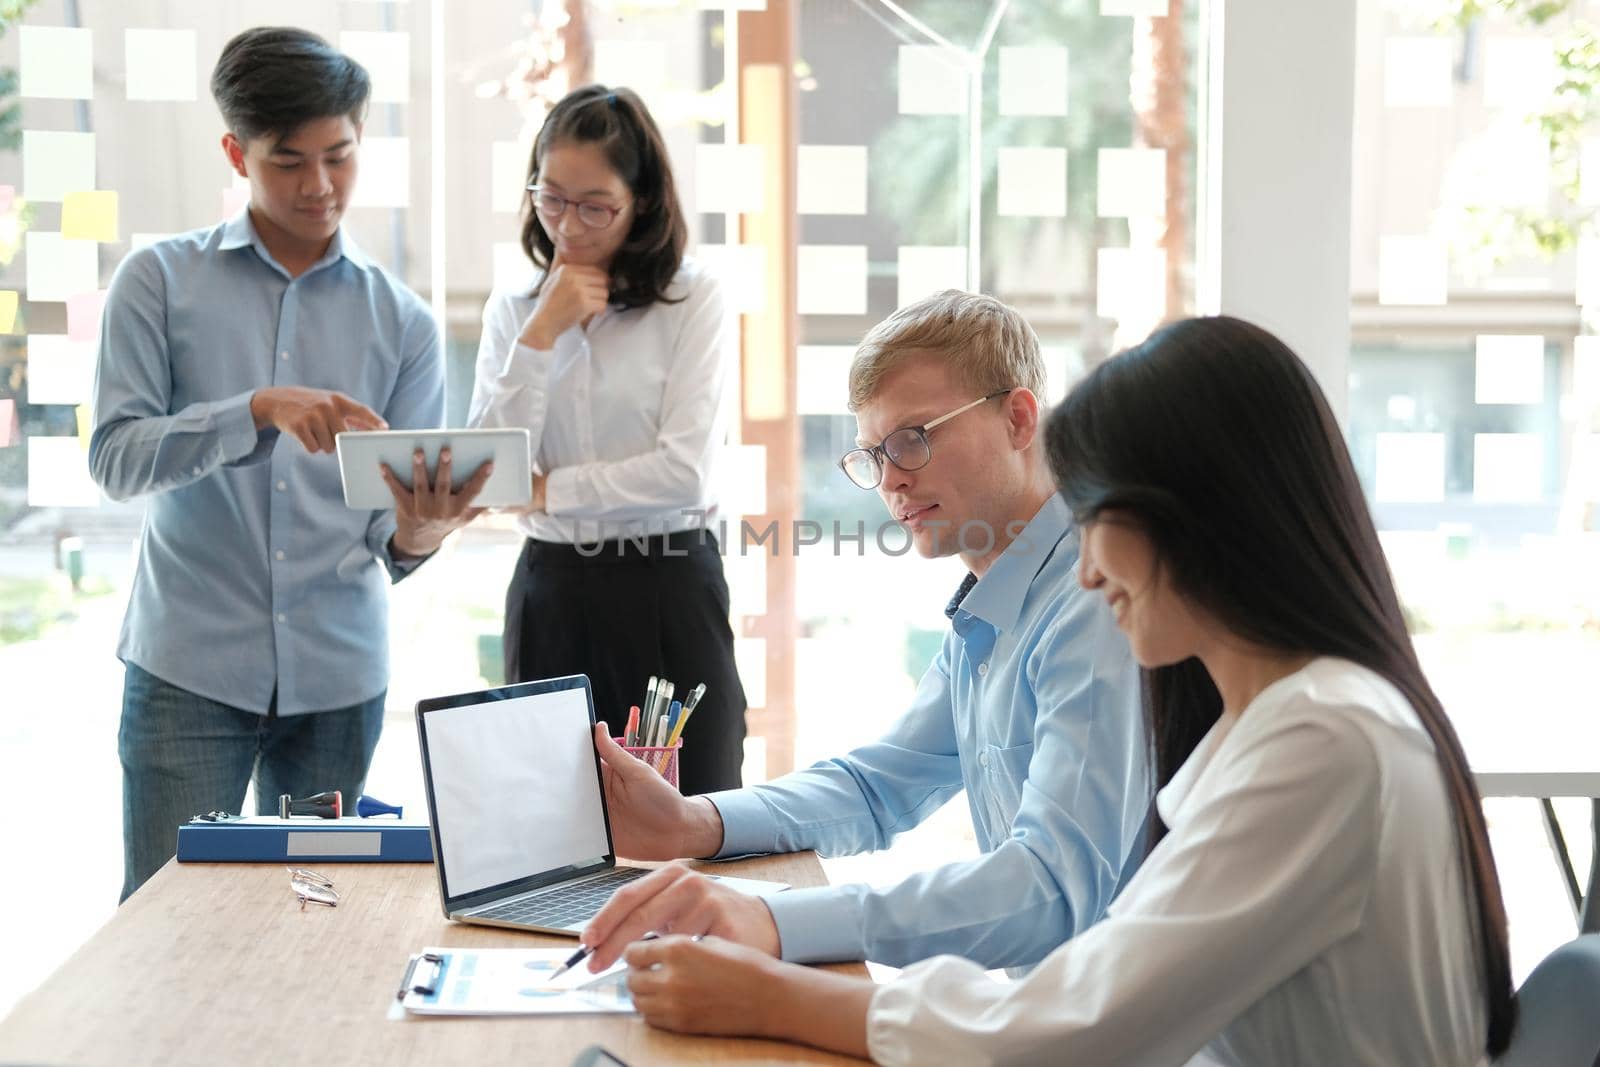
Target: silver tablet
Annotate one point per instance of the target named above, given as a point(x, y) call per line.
point(360, 452)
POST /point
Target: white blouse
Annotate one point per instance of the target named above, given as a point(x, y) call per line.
point(626, 415)
point(1307, 907)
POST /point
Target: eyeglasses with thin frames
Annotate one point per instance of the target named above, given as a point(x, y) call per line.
point(591, 213)
point(907, 448)
point(312, 888)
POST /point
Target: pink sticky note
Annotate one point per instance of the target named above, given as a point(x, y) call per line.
point(9, 434)
point(234, 198)
point(8, 193)
point(83, 315)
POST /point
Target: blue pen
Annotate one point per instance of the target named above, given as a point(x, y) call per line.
point(671, 722)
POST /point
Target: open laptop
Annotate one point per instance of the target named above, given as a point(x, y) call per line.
point(521, 834)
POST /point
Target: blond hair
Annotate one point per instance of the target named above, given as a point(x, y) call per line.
point(987, 345)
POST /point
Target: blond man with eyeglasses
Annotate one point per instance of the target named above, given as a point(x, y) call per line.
point(1031, 705)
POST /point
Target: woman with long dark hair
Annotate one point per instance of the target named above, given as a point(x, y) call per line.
point(611, 352)
point(1320, 888)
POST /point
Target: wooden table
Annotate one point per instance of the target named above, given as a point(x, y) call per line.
point(216, 963)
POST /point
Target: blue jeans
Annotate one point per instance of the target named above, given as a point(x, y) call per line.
point(184, 755)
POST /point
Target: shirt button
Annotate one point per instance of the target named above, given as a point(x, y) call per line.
point(983, 668)
point(278, 554)
point(282, 617)
point(283, 355)
point(198, 471)
point(983, 757)
point(282, 486)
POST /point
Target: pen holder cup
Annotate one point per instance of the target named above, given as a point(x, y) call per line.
point(664, 760)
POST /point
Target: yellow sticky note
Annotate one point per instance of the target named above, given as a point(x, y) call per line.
point(8, 310)
point(85, 427)
point(89, 216)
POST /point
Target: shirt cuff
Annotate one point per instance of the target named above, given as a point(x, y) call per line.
point(748, 828)
point(237, 435)
point(562, 491)
point(821, 924)
point(527, 366)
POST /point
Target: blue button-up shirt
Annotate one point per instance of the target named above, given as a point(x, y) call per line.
point(253, 576)
point(1032, 705)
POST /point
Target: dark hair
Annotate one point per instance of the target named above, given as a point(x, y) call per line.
point(275, 79)
point(1215, 440)
point(617, 121)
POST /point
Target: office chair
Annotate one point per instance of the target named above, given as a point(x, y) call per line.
point(1558, 1021)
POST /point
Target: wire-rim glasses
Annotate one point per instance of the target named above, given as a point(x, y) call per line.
point(591, 213)
point(907, 448)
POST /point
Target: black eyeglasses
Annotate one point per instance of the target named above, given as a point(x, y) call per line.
point(591, 213)
point(907, 448)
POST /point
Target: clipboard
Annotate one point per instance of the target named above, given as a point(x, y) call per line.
point(508, 981)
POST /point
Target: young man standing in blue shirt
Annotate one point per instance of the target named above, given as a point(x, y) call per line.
point(255, 641)
point(1031, 705)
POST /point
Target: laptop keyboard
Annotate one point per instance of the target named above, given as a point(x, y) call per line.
point(565, 905)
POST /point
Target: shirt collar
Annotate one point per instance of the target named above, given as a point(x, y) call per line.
point(240, 232)
point(997, 597)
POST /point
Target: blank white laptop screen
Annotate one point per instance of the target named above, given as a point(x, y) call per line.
point(500, 771)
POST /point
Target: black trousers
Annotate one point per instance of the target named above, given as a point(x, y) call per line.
point(621, 611)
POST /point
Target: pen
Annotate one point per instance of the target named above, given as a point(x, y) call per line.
point(630, 734)
point(583, 954)
point(688, 709)
point(669, 728)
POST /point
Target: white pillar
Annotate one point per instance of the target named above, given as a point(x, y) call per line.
point(1274, 204)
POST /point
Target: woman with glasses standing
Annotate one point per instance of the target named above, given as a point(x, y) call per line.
point(611, 352)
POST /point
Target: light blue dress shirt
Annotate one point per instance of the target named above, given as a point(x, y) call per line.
point(253, 576)
point(1032, 704)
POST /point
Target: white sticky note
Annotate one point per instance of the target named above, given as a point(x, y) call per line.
point(57, 63)
point(1410, 468)
point(742, 269)
point(1585, 472)
point(387, 57)
point(161, 64)
point(1418, 71)
point(1513, 169)
point(832, 279)
point(385, 178)
point(1509, 369)
point(640, 65)
point(1585, 374)
point(822, 379)
point(745, 469)
point(60, 370)
point(750, 658)
point(1131, 284)
point(831, 179)
point(933, 81)
point(1586, 289)
point(747, 582)
point(1412, 270)
point(728, 178)
point(1518, 72)
point(1589, 171)
point(508, 176)
point(510, 265)
point(1132, 183)
point(58, 268)
point(1507, 468)
point(1033, 181)
point(1033, 80)
point(58, 474)
point(926, 269)
point(1154, 9)
point(55, 163)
